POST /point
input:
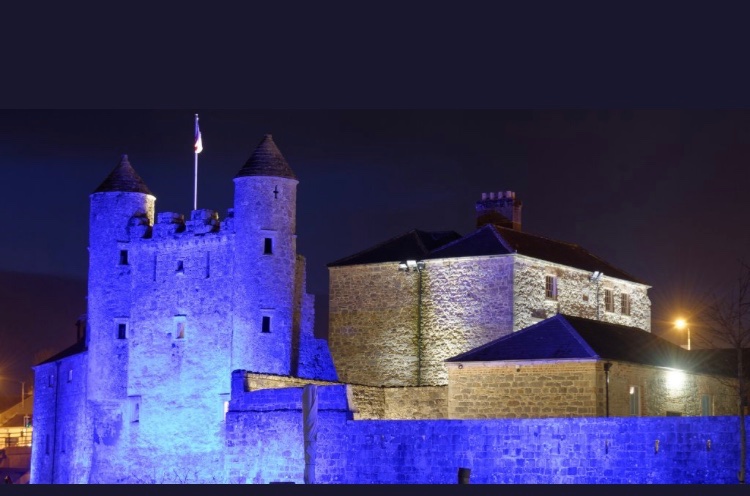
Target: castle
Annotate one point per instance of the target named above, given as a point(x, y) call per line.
point(174, 306)
point(199, 336)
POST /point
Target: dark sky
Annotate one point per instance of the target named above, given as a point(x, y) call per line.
point(662, 194)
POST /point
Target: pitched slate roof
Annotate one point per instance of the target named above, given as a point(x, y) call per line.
point(487, 240)
point(568, 337)
point(266, 160)
point(123, 178)
point(494, 240)
point(78, 347)
point(413, 245)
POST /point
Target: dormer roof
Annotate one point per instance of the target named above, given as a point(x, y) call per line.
point(123, 178)
point(266, 160)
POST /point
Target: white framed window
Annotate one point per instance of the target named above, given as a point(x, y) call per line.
point(635, 401)
point(550, 287)
point(707, 405)
point(625, 304)
point(609, 300)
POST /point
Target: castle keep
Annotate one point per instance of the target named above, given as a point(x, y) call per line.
point(174, 306)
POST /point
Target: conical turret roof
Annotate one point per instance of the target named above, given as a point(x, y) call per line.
point(266, 160)
point(123, 178)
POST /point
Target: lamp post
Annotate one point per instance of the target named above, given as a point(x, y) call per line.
point(682, 324)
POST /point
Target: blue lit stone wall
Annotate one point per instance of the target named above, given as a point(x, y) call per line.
point(264, 439)
point(149, 407)
point(61, 453)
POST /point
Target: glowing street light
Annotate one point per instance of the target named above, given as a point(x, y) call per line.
point(682, 324)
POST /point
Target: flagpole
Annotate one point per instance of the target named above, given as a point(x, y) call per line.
point(195, 186)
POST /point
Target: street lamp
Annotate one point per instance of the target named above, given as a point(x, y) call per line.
point(682, 324)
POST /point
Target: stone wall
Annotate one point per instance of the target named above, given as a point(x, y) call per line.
point(564, 388)
point(61, 451)
point(663, 390)
point(576, 295)
point(530, 390)
point(265, 443)
point(373, 402)
point(380, 334)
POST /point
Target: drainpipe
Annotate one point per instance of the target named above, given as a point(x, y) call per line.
point(419, 325)
point(607, 366)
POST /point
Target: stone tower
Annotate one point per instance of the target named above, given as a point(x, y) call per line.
point(265, 202)
point(122, 206)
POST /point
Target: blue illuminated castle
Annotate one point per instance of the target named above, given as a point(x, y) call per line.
point(174, 306)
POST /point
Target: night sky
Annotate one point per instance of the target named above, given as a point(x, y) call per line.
point(661, 194)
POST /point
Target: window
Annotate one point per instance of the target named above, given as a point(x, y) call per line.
point(707, 405)
point(180, 332)
point(70, 375)
point(122, 330)
point(51, 382)
point(609, 300)
point(46, 444)
point(180, 267)
point(62, 442)
point(550, 290)
point(268, 246)
point(625, 304)
point(635, 401)
point(266, 327)
point(135, 408)
point(123, 257)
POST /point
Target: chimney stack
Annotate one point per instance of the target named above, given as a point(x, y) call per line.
point(503, 210)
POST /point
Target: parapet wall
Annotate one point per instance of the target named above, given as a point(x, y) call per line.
point(265, 444)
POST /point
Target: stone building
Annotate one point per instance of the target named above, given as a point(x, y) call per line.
point(572, 367)
point(399, 309)
point(174, 306)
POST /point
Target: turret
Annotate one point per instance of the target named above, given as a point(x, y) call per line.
point(265, 204)
point(121, 208)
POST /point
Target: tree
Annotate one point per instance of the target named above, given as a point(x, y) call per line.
point(726, 324)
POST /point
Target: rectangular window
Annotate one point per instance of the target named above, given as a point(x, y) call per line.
point(550, 289)
point(70, 375)
point(51, 380)
point(268, 246)
point(180, 267)
point(135, 408)
point(266, 327)
point(46, 444)
point(609, 300)
point(707, 405)
point(122, 330)
point(123, 257)
point(625, 304)
point(180, 332)
point(62, 442)
point(635, 401)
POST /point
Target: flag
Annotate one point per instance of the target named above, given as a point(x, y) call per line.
point(198, 141)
